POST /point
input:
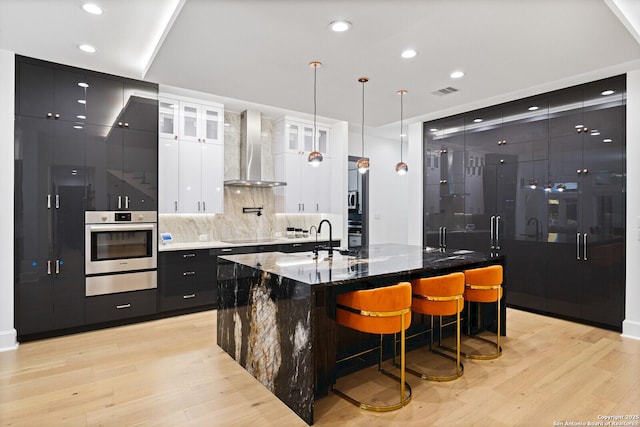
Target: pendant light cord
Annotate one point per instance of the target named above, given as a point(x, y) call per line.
point(362, 132)
point(315, 72)
point(401, 115)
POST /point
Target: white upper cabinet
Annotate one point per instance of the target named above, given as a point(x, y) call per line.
point(190, 120)
point(308, 188)
point(191, 156)
point(296, 136)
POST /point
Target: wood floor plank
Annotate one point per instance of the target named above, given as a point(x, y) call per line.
point(170, 372)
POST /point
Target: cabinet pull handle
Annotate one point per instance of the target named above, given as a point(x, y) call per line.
point(189, 273)
point(578, 246)
point(57, 266)
point(227, 250)
point(188, 255)
point(498, 232)
point(57, 201)
point(49, 115)
point(57, 116)
point(204, 207)
point(444, 237)
point(584, 246)
point(126, 202)
point(188, 296)
point(198, 206)
point(119, 202)
point(48, 201)
point(175, 205)
point(120, 124)
point(49, 267)
point(121, 306)
point(493, 232)
point(296, 245)
point(126, 124)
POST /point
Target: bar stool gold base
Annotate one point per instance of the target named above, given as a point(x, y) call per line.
point(378, 408)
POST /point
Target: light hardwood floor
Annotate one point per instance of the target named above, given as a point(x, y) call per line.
point(170, 372)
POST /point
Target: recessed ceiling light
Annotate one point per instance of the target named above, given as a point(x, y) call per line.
point(607, 140)
point(408, 53)
point(91, 8)
point(81, 117)
point(477, 120)
point(87, 48)
point(83, 84)
point(81, 101)
point(578, 126)
point(433, 130)
point(533, 108)
point(77, 127)
point(607, 92)
point(456, 74)
point(340, 26)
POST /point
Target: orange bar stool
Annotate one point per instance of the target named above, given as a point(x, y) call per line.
point(440, 296)
point(385, 310)
point(484, 285)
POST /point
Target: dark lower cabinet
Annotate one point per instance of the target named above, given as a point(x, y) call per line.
point(187, 279)
point(123, 305)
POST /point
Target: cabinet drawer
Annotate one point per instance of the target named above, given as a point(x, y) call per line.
point(104, 308)
point(184, 257)
point(188, 298)
point(188, 272)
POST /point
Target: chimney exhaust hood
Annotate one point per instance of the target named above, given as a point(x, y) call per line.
point(251, 154)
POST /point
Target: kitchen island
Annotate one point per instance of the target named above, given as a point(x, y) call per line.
point(276, 310)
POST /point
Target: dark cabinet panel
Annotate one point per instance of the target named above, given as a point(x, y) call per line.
point(114, 101)
point(544, 185)
point(44, 92)
point(122, 168)
point(187, 279)
point(50, 189)
point(123, 305)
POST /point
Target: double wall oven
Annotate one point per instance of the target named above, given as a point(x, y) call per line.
point(121, 251)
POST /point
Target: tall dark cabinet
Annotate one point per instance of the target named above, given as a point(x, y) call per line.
point(49, 198)
point(543, 184)
point(64, 118)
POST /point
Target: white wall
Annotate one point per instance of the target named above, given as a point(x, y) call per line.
point(388, 191)
point(7, 73)
point(631, 324)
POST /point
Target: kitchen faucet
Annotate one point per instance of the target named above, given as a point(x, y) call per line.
point(537, 226)
point(315, 247)
point(330, 248)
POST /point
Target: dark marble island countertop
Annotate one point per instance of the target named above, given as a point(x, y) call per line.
point(374, 261)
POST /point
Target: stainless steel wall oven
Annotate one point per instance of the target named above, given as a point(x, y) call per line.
point(120, 251)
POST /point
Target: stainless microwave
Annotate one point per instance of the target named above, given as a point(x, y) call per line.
point(352, 200)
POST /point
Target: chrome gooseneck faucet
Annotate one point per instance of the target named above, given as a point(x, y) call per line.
point(330, 248)
point(315, 247)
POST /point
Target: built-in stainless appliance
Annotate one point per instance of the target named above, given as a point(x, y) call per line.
point(352, 200)
point(120, 251)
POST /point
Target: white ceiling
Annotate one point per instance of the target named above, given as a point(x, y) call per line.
point(257, 51)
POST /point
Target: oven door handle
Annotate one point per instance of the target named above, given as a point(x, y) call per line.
point(122, 227)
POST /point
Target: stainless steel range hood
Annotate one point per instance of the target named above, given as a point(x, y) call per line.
point(251, 154)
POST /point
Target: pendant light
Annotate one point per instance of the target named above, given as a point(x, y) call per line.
point(363, 163)
point(401, 167)
point(315, 157)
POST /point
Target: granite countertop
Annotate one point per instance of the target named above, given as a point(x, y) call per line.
point(372, 261)
point(162, 247)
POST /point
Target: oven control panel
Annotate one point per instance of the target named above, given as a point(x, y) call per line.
point(119, 217)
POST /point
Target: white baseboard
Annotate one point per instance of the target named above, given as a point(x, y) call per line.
point(8, 340)
point(631, 329)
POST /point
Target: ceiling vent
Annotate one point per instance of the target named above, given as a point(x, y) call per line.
point(445, 91)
